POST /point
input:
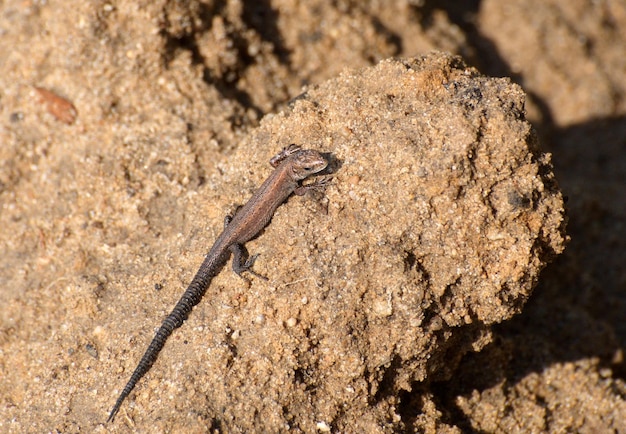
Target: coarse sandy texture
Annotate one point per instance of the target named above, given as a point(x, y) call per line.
point(129, 129)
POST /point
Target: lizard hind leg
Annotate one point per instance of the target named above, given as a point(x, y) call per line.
point(229, 217)
point(241, 261)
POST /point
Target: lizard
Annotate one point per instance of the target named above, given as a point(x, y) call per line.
point(292, 165)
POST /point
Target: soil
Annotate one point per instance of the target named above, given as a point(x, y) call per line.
point(463, 272)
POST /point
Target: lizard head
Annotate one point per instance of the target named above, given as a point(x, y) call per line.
point(307, 162)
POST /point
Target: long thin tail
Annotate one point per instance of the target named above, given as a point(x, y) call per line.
point(192, 296)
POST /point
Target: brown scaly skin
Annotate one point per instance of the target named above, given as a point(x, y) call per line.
point(292, 165)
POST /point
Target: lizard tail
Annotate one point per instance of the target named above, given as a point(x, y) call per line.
point(175, 319)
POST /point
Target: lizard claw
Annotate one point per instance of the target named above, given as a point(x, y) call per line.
point(318, 184)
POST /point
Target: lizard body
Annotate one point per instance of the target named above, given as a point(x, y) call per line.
point(292, 165)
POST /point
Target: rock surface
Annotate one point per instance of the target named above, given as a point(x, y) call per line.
point(128, 131)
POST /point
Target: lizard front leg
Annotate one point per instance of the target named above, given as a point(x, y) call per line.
point(317, 184)
point(286, 152)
